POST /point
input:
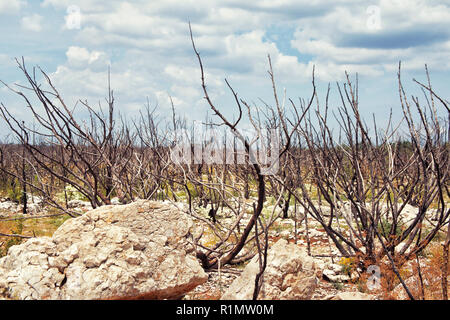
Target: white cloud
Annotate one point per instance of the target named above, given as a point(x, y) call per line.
point(341, 40)
point(11, 6)
point(181, 74)
point(5, 60)
point(78, 57)
point(148, 46)
point(230, 35)
point(85, 76)
point(90, 5)
point(32, 23)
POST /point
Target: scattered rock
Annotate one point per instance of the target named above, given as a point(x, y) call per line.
point(115, 201)
point(354, 276)
point(335, 267)
point(215, 286)
point(74, 204)
point(413, 285)
point(10, 208)
point(320, 264)
point(409, 213)
point(324, 210)
point(355, 295)
point(139, 250)
point(7, 208)
point(286, 234)
point(332, 276)
point(290, 274)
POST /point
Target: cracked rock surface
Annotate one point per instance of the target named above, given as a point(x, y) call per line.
point(139, 250)
point(290, 275)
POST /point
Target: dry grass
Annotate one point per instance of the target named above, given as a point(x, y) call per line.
point(431, 273)
point(28, 227)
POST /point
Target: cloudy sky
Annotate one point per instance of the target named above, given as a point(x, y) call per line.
point(147, 45)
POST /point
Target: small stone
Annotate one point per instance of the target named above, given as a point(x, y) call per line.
point(354, 296)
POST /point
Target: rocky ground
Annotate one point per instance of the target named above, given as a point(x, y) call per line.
point(217, 285)
point(333, 280)
point(9, 207)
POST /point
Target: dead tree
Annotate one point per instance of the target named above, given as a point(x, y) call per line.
point(91, 151)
